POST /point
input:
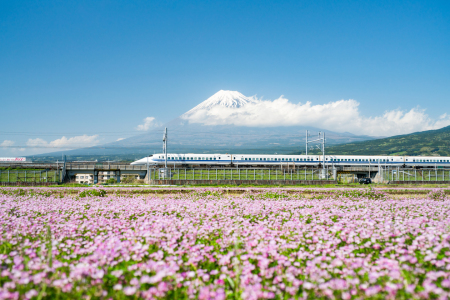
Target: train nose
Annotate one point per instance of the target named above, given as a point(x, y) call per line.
point(137, 162)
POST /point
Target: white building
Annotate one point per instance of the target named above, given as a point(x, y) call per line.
point(84, 178)
point(103, 177)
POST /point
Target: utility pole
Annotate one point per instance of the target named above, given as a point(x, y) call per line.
point(323, 149)
point(165, 151)
point(321, 139)
point(307, 142)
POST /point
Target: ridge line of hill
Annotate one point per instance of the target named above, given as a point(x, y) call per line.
point(426, 143)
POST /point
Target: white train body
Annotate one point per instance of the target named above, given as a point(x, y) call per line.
point(13, 159)
point(300, 160)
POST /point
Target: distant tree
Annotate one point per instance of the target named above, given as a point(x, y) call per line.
point(111, 181)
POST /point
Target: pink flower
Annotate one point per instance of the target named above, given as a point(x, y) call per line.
point(31, 293)
point(129, 290)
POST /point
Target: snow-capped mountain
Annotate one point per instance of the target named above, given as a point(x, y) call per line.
point(188, 134)
point(230, 99)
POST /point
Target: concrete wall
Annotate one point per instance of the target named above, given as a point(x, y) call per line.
point(239, 182)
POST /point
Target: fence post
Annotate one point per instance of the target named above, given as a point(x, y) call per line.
point(8, 175)
point(269, 174)
point(239, 170)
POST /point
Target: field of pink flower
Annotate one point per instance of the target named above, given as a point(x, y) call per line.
point(353, 244)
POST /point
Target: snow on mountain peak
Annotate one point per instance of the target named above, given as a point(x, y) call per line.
point(231, 99)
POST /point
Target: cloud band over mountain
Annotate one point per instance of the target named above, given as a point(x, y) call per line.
point(341, 116)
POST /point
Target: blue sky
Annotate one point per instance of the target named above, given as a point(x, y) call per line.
point(74, 68)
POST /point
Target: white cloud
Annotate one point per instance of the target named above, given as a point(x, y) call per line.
point(9, 146)
point(119, 139)
point(149, 122)
point(340, 116)
point(7, 143)
point(65, 143)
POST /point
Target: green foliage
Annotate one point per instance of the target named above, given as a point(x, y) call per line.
point(363, 193)
point(92, 193)
point(437, 195)
point(111, 181)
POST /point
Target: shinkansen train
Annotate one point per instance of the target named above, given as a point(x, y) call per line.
point(14, 160)
point(306, 160)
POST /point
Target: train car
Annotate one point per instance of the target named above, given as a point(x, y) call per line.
point(14, 160)
point(249, 160)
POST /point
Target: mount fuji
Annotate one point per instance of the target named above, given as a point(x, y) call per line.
point(189, 133)
point(231, 99)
